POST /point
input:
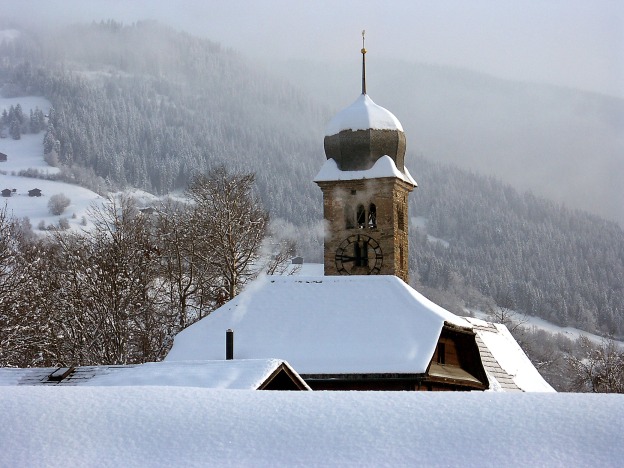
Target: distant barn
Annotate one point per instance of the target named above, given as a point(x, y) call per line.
point(34, 192)
point(3, 157)
point(6, 192)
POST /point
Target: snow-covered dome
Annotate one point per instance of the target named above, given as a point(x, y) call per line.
point(363, 114)
point(363, 132)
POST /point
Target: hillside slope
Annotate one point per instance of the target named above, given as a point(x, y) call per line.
point(149, 107)
point(527, 253)
point(564, 144)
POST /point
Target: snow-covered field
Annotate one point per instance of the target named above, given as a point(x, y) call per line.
point(27, 153)
point(183, 426)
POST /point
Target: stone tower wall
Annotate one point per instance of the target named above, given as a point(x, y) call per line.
point(389, 195)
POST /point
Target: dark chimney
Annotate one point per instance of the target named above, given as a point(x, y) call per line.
point(229, 344)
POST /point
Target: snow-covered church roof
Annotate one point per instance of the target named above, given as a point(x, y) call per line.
point(348, 325)
point(325, 324)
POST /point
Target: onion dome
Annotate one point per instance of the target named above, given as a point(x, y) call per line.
point(363, 132)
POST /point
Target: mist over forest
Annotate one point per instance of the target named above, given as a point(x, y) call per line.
point(504, 168)
point(563, 144)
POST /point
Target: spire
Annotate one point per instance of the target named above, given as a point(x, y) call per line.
point(363, 64)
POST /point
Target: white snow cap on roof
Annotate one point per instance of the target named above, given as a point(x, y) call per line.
point(363, 114)
point(383, 167)
point(510, 356)
point(327, 324)
point(241, 374)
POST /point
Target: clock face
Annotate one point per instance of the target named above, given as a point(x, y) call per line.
point(359, 254)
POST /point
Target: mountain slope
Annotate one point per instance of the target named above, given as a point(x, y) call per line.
point(149, 107)
point(527, 253)
point(560, 143)
point(167, 105)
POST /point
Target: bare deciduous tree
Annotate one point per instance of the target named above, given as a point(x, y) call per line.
point(279, 261)
point(231, 226)
point(600, 369)
point(510, 318)
point(110, 286)
point(119, 292)
point(186, 274)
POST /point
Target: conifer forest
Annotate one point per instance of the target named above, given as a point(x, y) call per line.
point(152, 108)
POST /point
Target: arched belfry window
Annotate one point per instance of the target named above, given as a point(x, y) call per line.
point(349, 217)
point(372, 216)
point(361, 216)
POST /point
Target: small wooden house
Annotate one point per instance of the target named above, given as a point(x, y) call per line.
point(34, 192)
point(7, 192)
point(3, 157)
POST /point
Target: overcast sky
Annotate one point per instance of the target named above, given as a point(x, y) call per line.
point(568, 42)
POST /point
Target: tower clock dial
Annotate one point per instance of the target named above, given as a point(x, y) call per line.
point(359, 254)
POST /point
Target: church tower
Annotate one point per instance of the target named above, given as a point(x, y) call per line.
point(365, 187)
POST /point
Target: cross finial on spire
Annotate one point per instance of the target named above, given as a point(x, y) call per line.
point(363, 63)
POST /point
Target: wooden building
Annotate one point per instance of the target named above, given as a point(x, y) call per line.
point(6, 192)
point(34, 192)
point(3, 157)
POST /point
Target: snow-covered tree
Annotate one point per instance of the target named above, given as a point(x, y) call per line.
point(600, 369)
point(57, 203)
point(231, 226)
point(22, 329)
point(105, 302)
point(15, 129)
point(189, 278)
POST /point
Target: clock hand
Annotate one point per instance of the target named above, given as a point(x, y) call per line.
point(346, 258)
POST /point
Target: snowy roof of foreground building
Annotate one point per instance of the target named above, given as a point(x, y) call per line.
point(326, 324)
point(506, 364)
point(363, 114)
point(383, 167)
point(250, 374)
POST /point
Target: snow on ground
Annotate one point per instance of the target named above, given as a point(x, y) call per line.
point(181, 426)
point(26, 102)
point(27, 153)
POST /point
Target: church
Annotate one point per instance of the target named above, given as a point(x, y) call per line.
point(360, 326)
